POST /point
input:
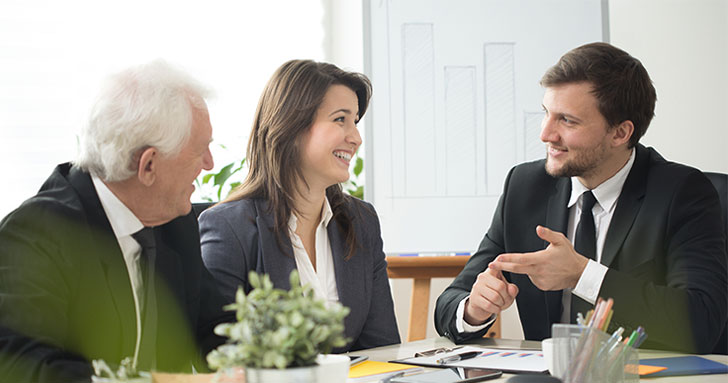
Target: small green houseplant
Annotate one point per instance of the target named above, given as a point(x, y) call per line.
point(214, 186)
point(278, 329)
point(126, 373)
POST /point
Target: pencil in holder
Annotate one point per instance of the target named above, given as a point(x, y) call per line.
point(586, 354)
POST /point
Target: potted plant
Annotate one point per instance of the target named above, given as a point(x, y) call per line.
point(282, 335)
point(126, 373)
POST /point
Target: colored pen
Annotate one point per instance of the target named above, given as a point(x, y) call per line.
point(357, 359)
point(605, 313)
point(599, 311)
point(458, 357)
point(609, 319)
point(389, 378)
point(580, 319)
point(611, 342)
point(640, 340)
point(589, 316)
point(633, 338)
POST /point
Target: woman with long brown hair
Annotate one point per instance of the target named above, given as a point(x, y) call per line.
point(291, 213)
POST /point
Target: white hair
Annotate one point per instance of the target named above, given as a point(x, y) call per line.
point(145, 106)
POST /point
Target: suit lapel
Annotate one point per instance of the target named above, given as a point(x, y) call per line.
point(557, 213)
point(349, 282)
point(628, 206)
point(105, 246)
point(174, 318)
point(557, 219)
point(275, 262)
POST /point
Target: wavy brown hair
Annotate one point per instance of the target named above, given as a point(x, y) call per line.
point(286, 111)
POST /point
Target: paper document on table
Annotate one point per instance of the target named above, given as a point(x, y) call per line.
point(372, 371)
point(499, 359)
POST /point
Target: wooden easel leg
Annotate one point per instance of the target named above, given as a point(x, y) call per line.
point(418, 317)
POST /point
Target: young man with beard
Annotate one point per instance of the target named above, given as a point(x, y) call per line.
point(601, 216)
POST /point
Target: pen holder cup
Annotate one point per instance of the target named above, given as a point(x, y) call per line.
point(585, 354)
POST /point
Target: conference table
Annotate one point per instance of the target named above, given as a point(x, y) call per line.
point(407, 350)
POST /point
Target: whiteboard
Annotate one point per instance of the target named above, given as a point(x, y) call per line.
point(456, 104)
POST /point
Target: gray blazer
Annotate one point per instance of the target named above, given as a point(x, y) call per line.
point(238, 237)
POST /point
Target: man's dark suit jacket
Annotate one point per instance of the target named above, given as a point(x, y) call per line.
point(66, 297)
point(238, 237)
point(665, 249)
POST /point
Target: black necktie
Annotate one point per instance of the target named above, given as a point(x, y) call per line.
point(148, 302)
point(586, 237)
point(585, 244)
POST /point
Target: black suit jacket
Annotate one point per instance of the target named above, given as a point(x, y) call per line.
point(665, 249)
point(238, 237)
point(66, 294)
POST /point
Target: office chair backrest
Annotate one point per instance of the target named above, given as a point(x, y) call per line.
point(720, 181)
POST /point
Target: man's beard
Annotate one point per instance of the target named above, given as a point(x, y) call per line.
point(584, 163)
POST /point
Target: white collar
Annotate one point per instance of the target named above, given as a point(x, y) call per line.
point(608, 191)
point(326, 216)
point(122, 220)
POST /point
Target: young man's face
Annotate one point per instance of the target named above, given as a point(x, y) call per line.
point(575, 132)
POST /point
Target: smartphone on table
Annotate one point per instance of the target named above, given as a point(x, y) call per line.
point(452, 375)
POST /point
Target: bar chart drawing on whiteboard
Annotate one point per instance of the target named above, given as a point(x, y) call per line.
point(456, 105)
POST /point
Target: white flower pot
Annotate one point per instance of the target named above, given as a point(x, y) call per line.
point(330, 369)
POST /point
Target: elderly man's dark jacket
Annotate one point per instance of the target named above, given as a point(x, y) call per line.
point(66, 296)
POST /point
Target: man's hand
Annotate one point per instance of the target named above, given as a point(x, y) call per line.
point(557, 267)
point(491, 294)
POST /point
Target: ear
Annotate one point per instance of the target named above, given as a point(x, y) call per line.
point(622, 133)
point(147, 170)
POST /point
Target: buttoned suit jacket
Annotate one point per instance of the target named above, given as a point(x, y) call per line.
point(238, 237)
point(67, 297)
point(665, 250)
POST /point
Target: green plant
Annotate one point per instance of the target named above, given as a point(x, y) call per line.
point(126, 371)
point(225, 179)
point(218, 180)
point(277, 328)
point(354, 185)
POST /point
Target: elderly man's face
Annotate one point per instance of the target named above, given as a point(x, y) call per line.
point(176, 174)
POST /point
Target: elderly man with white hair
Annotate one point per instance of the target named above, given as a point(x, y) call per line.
point(104, 262)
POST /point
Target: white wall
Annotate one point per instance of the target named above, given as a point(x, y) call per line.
point(55, 53)
point(684, 46)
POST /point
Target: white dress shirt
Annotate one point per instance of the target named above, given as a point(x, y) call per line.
point(323, 279)
point(606, 194)
point(124, 223)
point(591, 279)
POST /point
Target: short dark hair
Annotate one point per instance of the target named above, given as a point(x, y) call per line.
point(621, 84)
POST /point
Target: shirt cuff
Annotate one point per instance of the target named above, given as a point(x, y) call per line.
point(591, 281)
point(462, 326)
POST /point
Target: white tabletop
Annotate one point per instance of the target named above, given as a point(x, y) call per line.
point(407, 350)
